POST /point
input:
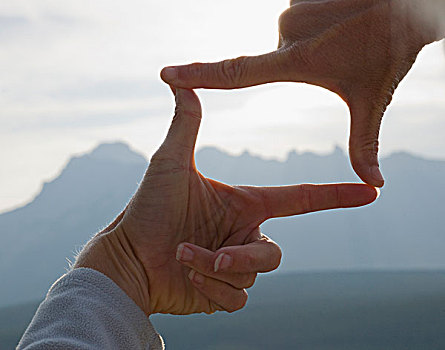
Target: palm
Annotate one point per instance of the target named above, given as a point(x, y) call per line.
point(176, 204)
point(186, 206)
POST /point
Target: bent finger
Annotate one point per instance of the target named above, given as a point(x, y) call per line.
point(223, 295)
point(203, 261)
point(364, 141)
point(259, 256)
point(262, 256)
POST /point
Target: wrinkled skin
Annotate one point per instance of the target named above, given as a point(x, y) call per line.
point(359, 49)
point(177, 209)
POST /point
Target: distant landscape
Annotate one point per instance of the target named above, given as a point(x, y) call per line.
point(312, 311)
point(403, 230)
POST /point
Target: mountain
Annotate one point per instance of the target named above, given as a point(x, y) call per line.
point(403, 230)
point(39, 237)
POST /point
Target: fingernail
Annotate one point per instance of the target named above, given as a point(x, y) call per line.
point(196, 277)
point(223, 262)
point(170, 74)
point(184, 253)
point(377, 175)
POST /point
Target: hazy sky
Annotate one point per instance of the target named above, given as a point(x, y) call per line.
point(76, 73)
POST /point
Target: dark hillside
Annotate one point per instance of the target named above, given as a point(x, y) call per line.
point(324, 311)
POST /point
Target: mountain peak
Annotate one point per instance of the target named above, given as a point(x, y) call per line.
point(117, 151)
point(338, 151)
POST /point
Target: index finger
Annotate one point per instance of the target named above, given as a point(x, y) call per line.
point(300, 199)
point(230, 74)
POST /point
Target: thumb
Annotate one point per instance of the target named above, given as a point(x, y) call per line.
point(181, 137)
point(230, 74)
point(364, 141)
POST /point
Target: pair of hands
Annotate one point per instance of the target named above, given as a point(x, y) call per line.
point(187, 244)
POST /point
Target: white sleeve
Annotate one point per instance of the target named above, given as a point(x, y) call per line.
point(84, 310)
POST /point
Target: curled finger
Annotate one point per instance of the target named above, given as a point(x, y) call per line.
point(260, 255)
point(203, 261)
point(224, 296)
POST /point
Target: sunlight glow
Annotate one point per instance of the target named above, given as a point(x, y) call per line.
point(78, 73)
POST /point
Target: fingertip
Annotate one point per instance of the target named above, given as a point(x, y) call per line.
point(184, 253)
point(373, 193)
point(364, 141)
point(169, 75)
point(377, 176)
point(196, 278)
point(243, 301)
point(373, 181)
point(369, 174)
point(357, 195)
point(184, 76)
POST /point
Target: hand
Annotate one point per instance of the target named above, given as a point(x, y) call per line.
point(210, 227)
point(360, 50)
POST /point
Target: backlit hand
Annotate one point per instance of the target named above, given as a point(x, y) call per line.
point(210, 227)
point(359, 49)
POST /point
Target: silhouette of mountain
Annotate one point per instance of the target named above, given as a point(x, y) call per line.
point(403, 230)
point(37, 238)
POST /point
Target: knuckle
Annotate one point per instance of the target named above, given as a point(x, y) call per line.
point(164, 161)
point(233, 70)
point(364, 147)
point(285, 22)
point(249, 280)
point(243, 281)
point(192, 114)
point(306, 198)
point(238, 304)
point(263, 199)
point(187, 110)
point(277, 256)
point(290, 24)
point(298, 52)
point(212, 308)
point(159, 156)
point(338, 197)
point(194, 70)
point(249, 261)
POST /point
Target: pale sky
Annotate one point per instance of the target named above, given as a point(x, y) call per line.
point(76, 73)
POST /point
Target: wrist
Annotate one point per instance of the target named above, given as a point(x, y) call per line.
point(111, 253)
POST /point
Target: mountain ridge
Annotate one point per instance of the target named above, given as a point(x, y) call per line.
point(402, 230)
